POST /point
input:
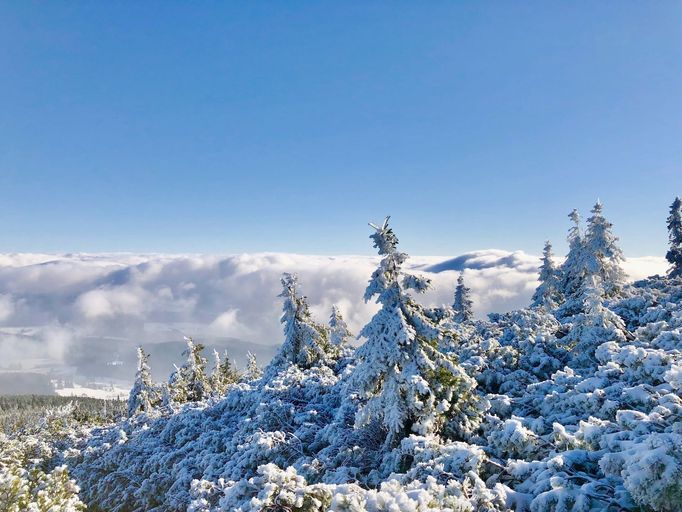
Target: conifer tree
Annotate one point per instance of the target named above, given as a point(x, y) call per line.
point(166, 396)
point(253, 371)
point(403, 381)
point(573, 272)
point(573, 269)
point(595, 326)
point(177, 386)
point(339, 334)
point(189, 383)
point(547, 293)
point(143, 395)
point(223, 375)
point(674, 254)
point(603, 257)
point(463, 305)
point(306, 343)
point(197, 382)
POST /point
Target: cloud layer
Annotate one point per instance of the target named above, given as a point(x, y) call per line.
point(50, 305)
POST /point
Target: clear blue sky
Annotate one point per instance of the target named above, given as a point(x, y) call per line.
point(286, 126)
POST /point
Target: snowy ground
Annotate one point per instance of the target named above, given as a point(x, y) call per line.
point(105, 393)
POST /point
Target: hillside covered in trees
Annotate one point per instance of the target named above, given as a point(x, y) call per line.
point(572, 404)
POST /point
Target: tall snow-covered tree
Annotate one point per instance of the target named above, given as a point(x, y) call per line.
point(143, 396)
point(674, 254)
point(573, 270)
point(177, 386)
point(189, 383)
point(547, 293)
point(603, 257)
point(339, 334)
point(166, 395)
point(306, 343)
point(595, 326)
point(402, 379)
point(253, 371)
point(224, 373)
point(463, 306)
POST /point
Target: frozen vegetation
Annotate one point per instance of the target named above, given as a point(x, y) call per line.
point(573, 404)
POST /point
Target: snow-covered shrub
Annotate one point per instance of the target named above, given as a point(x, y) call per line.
point(651, 471)
point(511, 439)
point(31, 475)
point(522, 412)
point(590, 329)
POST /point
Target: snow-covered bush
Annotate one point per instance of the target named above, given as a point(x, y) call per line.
point(574, 408)
point(32, 478)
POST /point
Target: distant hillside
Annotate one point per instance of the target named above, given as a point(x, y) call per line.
point(25, 383)
point(105, 358)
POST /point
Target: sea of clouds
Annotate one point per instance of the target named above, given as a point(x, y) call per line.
point(51, 305)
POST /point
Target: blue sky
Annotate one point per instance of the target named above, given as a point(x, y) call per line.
point(286, 126)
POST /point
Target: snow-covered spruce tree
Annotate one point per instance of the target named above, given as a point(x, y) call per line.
point(674, 254)
point(144, 396)
point(603, 257)
point(463, 306)
point(402, 379)
point(572, 272)
point(189, 383)
point(339, 334)
point(177, 388)
point(547, 293)
point(253, 371)
point(306, 343)
point(595, 326)
point(224, 374)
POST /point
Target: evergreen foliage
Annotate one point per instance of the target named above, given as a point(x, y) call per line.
point(463, 306)
point(547, 294)
point(403, 380)
point(144, 396)
point(594, 255)
point(223, 375)
point(595, 326)
point(306, 343)
point(603, 257)
point(253, 371)
point(674, 254)
point(22, 412)
point(573, 271)
point(524, 412)
point(339, 334)
point(189, 382)
point(34, 472)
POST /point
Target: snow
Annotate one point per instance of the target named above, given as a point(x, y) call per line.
point(108, 392)
point(539, 409)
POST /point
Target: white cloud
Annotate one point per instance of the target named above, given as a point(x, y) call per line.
point(229, 324)
point(52, 303)
point(113, 301)
point(6, 307)
point(639, 268)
